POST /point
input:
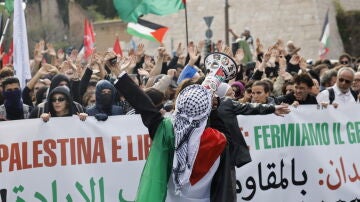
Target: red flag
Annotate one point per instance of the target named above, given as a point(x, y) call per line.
point(117, 47)
point(7, 58)
point(89, 38)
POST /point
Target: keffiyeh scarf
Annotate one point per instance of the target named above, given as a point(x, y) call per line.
point(193, 107)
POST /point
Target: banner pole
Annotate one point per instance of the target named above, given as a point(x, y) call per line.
point(186, 26)
point(4, 32)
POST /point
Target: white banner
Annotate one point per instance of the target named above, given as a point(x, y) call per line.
point(308, 155)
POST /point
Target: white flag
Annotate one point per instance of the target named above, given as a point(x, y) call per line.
point(21, 48)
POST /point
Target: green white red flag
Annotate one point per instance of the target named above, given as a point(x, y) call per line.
point(147, 30)
point(324, 39)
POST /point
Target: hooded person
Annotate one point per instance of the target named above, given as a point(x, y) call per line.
point(105, 94)
point(59, 80)
point(65, 92)
point(49, 107)
point(63, 80)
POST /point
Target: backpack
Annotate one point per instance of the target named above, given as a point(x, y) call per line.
point(332, 95)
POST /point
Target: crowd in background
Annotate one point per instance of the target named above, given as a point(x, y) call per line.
point(65, 83)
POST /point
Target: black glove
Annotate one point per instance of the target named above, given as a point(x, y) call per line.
point(101, 117)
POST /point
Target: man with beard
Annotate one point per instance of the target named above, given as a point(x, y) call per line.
point(13, 107)
point(302, 94)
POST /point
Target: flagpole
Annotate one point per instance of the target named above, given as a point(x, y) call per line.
point(4, 32)
point(186, 26)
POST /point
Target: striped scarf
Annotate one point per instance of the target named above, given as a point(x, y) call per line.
point(193, 106)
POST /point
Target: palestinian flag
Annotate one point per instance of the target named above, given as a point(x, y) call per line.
point(147, 30)
point(130, 10)
point(324, 39)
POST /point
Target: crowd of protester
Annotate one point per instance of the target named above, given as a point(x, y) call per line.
point(65, 83)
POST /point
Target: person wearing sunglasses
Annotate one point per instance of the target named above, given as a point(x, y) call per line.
point(59, 103)
point(340, 93)
point(345, 59)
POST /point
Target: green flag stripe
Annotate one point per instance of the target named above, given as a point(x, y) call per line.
point(9, 5)
point(130, 10)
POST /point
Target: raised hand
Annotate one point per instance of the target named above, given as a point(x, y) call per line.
point(73, 55)
point(171, 73)
point(48, 68)
point(303, 64)
point(148, 62)
point(140, 51)
point(259, 46)
point(50, 49)
point(179, 50)
point(295, 59)
point(201, 45)
point(60, 54)
point(282, 62)
point(161, 52)
point(219, 45)
point(193, 54)
point(42, 47)
point(239, 55)
point(227, 50)
point(143, 72)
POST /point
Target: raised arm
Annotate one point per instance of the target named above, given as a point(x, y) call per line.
point(136, 97)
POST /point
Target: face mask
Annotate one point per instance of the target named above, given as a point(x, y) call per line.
point(106, 100)
point(13, 105)
point(12, 98)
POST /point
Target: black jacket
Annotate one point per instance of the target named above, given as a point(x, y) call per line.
point(228, 111)
point(290, 98)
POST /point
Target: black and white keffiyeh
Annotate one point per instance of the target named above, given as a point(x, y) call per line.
point(193, 106)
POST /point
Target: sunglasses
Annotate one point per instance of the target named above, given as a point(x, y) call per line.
point(344, 80)
point(344, 62)
point(60, 99)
